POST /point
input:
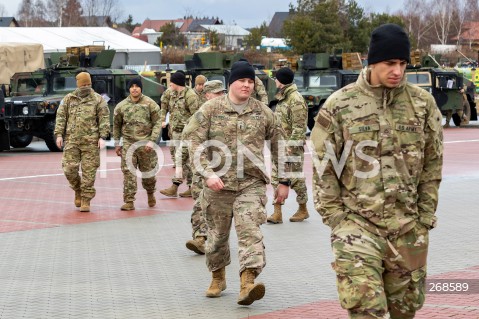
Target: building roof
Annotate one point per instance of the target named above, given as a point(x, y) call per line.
point(227, 29)
point(7, 21)
point(470, 33)
point(276, 25)
point(182, 24)
point(58, 39)
point(198, 22)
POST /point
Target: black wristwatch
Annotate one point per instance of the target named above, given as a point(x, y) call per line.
point(286, 183)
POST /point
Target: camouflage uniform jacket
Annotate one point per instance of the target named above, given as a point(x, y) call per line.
point(136, 121)
point(292, 112)
point(180, 106)
point(201, 97)
point(243, 134)
point(260, 91)
point(392, 181)
point(82, 120)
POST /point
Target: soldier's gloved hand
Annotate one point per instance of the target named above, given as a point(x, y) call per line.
point(59, 142)
point(215, 183)
point(118, 150)
point(101, 143)
point(149, 146)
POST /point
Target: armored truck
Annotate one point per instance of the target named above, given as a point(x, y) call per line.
point(320, 74)
point(217, 66)
point(454, 94)
point(35, 96)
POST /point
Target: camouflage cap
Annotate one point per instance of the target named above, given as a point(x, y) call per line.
point(214, 86)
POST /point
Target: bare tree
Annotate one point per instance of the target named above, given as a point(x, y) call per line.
point(101, 8)
point(55, 13)
point(3, 12)
point(442, 18)
point(417, 20)
point(25, 13)
point(461, 12)
point(472, 12)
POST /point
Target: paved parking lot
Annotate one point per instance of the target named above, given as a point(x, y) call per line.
point(58, 263)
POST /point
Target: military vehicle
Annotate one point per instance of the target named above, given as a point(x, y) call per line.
point(453, 93)
point(4, 142)
point(320, 74)
point(217, 65)
point(35, 96)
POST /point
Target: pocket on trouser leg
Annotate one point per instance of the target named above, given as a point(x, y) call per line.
point(359, 292)
point(407, 295)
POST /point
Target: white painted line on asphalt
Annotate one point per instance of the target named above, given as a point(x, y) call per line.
point(451, 306)
point(50, 175)
point(461, 141)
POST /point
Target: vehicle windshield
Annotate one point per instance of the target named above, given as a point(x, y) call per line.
point(62, 83)
point(322, 81)
point(217, 77)
point(30, 86)
point(419, 78)
point(299, 81)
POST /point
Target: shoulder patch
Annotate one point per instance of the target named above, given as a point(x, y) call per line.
point(323, 121)
point(199, 116)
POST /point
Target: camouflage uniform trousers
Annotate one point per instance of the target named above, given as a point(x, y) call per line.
point(297, 184)
point(247, 207)
point(198, 222)
point(172, 148)
point(376, 274)
point(143, 161)
point(86, 156)
point(183, 155)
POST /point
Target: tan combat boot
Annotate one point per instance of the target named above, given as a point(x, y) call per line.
point(277, 216)
point(197, 245)
point(187, 193)
point(218, 283)
point(171, 191)
point(85, 205)
point(301, 214)
point(249, 290)
point(128, 206)
point(151, 200)
point(77, 198)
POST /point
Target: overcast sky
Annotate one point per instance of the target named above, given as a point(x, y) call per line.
point(245, 13)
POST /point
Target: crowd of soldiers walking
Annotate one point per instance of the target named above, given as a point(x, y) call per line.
point(380, 207)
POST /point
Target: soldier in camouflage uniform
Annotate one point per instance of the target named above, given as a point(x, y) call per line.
point(381, 205)
point(260, 91)
point(200, 81)
point(181, 107)
point(211, 90)
point(137, 119)
point(82, 125)
point(292, 112)
point(165, 101)
point(235, 189)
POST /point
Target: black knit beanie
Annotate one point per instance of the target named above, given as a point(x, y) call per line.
point(136, 81)
point(285, 76)
point(389, 41)
point(241, 70)
point(178, 78)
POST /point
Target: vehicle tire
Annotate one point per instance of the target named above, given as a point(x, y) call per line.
point(466, 115)
point(49, 138)
point(19, 140)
